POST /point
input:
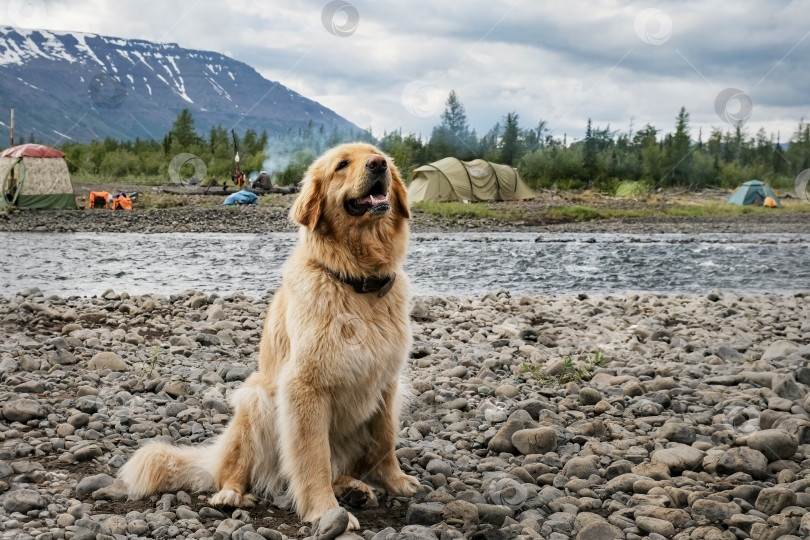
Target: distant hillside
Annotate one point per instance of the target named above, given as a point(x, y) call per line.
point(84, 86)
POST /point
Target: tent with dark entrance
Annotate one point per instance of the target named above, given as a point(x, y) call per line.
point(35, 176)
point(754, 192)
point(451, 179)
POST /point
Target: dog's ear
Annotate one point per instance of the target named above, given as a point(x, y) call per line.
point(307, 208)
point(400, 194)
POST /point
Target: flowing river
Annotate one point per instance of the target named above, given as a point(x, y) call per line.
point(460, 264)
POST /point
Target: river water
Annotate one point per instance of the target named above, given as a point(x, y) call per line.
point(461, 264)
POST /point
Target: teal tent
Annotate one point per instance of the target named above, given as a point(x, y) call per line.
point(753, 192)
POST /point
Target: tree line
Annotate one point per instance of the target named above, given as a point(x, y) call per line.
point(605, 158)
point(601, 160)
point(149, 161)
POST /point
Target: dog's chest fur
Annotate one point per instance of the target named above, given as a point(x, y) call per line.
point(370, 367)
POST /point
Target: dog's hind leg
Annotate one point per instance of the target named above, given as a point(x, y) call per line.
point(354, 492)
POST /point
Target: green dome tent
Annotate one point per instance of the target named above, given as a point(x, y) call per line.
point(753, 192)
point(451, 179)
point(35, 176)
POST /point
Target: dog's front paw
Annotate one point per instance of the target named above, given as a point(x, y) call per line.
point(402, 485)
point(229, 497)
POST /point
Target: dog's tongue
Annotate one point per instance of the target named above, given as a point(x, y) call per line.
point(372, 200)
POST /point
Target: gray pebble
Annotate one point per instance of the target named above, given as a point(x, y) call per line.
point(331, 525)
point(428, 513)
point(89, 484)
point(589, 396)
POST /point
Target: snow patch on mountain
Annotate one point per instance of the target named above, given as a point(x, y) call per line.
point(91, 86)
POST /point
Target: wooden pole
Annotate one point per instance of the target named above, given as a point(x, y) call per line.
point(11, 178)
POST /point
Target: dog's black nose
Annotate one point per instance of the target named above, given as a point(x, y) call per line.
point(376, 164)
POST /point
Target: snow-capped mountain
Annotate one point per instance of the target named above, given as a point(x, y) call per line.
point(71, 85)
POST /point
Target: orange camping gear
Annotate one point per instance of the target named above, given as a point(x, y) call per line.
point(98, 199)
point(769, 202)
point(239, 178)
point(122, 202)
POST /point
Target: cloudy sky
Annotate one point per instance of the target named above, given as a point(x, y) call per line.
point(390, 65)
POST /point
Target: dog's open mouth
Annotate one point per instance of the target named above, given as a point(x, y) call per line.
point(375, 202)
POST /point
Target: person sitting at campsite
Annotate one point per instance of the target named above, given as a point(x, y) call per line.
point(263, 181)
point(239, 178)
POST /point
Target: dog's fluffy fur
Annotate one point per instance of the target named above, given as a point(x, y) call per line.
point(320, 415)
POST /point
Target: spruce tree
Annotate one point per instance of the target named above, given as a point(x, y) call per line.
point(510, 142)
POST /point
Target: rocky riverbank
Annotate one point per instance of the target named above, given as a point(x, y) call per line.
point(273, 218)
point(692, 422)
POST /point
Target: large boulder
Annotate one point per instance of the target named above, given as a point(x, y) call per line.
point(775, 444)
point(23, 410)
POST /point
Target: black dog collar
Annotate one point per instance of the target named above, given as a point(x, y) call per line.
point(381, 285)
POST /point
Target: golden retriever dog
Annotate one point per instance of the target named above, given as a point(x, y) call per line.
point(320, 415)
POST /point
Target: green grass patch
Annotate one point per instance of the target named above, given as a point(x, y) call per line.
point(726, 210)
point(629, 190)
point(589, 213)
point(712, 210)
point(576, 213)
point(453, 210)
point(151, 201)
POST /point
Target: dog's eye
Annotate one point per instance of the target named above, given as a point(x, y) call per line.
point(342, 165)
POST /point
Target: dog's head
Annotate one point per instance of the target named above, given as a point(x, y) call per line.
point(351, 185)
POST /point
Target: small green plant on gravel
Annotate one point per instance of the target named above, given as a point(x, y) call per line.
point(155, 359)
point(569, 371)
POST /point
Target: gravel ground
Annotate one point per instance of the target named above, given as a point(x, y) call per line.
point(273, 218)
point(695, 425)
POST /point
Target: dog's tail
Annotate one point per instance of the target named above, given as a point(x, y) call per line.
point(159, 467)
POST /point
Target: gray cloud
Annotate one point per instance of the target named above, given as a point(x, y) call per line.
point(562, 63)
